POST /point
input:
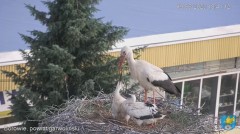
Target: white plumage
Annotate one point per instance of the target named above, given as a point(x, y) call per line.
point(117, 102)
point(140, 112)
point(149, 76)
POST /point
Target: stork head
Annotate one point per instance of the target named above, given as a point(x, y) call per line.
point(119, 86)
point(126, 52)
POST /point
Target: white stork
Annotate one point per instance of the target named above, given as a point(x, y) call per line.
point(149, 76)
point(141, 113)
point(128, 108)
point(117, 111)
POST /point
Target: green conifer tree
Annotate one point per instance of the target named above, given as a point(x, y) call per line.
point(68, 59)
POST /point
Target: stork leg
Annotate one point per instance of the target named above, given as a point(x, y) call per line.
point(145, 96)
point(127, 119)
point(151, 125)
point(154, 100)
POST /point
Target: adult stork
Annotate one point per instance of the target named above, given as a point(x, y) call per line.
point(149, 76)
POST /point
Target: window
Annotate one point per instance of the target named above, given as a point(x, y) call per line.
point(2, 101)
point(14, 92)
point(191, 93)
point(238, 96)
point(208, 96)
point(227, 94)
point(227, 64)
point(202, 67)
point(178, 85)
point(169, 97)
point(238, 62)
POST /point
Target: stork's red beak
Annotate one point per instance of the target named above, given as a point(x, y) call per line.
point(120, 62)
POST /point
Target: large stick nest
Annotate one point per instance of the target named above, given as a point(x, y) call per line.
point(93, 116)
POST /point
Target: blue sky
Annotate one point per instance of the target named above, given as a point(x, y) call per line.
point(141, 17)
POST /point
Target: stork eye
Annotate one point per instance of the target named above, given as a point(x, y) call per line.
point(124, 52)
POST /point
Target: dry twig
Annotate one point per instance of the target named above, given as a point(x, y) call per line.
point(93, 116)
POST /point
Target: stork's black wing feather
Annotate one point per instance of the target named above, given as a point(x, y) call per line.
point(168, 76)
point(149, 104)
point(171, 80)
point(157, 115)
point(168, 86)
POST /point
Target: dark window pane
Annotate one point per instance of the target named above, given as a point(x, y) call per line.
point(14, 92)
point(169, 97)
point(208, 96)
point(227, 94)
point(178, 85)
point(238, 97)
point(191, 93)
point(2, 101)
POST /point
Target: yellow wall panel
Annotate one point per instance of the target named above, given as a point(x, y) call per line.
point(115, 54)
point(170, 55)
point(192, 52)
point(5, 82)
point(4, 114)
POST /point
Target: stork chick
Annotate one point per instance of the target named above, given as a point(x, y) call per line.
point(117, 110)
point(141, 113)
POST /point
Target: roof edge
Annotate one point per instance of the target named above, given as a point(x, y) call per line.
point(180, 37)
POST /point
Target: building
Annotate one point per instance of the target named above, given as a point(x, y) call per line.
point(204, 63)
point(8, 60)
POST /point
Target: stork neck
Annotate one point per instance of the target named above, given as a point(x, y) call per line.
point(134, 98)
point(130, 59)
point(118, 88)
point(131, 64)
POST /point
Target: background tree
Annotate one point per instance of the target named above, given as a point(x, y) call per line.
point(68, 59)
